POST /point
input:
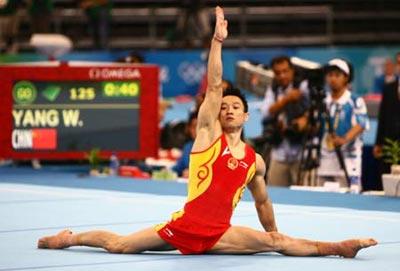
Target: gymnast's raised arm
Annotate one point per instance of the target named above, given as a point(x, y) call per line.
point(208, 127)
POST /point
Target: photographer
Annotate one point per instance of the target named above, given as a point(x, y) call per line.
point(284, 119)
point(348, 119)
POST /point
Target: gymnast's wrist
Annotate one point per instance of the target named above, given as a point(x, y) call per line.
point(218, 39)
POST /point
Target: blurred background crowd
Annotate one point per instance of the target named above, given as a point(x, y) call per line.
point(322, 77)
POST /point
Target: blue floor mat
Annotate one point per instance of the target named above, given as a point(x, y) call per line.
point(31, 211)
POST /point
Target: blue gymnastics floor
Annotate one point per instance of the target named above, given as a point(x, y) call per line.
point(37, 203)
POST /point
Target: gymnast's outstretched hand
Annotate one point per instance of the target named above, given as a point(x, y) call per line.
point(221, 25)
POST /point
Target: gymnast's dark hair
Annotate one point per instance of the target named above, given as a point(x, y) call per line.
point(236, 92)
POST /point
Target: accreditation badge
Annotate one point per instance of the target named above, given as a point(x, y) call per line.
point(330, 146)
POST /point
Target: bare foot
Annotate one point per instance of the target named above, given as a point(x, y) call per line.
point(350, 248)
point(58, 241)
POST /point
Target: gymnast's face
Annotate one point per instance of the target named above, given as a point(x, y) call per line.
point(232, 115)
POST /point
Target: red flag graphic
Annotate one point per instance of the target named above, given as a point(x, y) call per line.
point(44, 139)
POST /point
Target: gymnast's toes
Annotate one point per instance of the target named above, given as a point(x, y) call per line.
point(58, 241)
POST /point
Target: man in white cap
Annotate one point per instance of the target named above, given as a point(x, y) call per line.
point(348, 118)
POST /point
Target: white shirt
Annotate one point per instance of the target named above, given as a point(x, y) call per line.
point(349, 110)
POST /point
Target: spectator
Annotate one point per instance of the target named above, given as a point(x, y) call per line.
point(99, 14)
point(195, 12)
point(389, 120)
point(284, 118)
point(133, 58)
point(40, 12)
point(398, 64)
point(388, 76)
point(348, 117)
point(182, 165)
point(9, 24)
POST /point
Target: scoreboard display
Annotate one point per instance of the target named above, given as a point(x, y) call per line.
point(63, 111)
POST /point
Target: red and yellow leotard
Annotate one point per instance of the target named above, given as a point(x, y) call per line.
point(216, 183)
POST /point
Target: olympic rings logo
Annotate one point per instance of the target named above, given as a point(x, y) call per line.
point(191, 72)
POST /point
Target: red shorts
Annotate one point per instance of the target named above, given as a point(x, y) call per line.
point(191, 237)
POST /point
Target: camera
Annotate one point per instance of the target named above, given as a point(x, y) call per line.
point(256, 78)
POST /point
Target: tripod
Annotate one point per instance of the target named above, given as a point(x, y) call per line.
point(310, 154)
point(311, 147)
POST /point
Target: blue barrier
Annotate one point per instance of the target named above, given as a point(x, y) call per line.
point(182, 70)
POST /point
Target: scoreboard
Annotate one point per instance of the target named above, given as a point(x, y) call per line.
point(63, 110)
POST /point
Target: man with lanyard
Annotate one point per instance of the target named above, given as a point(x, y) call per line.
point(348, 119)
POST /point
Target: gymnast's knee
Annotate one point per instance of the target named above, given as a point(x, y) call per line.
point(119, 246)
point(275, 240)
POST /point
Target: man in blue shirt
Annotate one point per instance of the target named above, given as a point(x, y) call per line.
point(348, 117)
point(182, 164)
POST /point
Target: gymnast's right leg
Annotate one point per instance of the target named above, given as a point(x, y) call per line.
point(144, 240)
